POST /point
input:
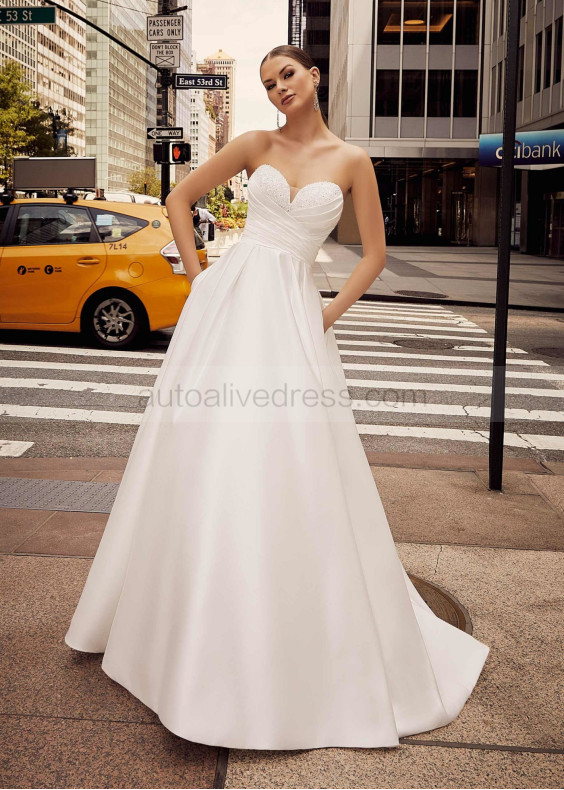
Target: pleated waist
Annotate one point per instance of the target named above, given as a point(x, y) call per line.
point(276, 241)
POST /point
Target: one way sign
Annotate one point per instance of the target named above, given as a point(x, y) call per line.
point(165, 133)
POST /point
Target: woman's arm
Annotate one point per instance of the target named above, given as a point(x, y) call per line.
point(368, 212)
point(229, 161)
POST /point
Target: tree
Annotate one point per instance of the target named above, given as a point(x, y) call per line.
point(16, 112)
point(149, 176)
point(25, 128)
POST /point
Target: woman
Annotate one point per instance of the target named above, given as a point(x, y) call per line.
point(247, 587)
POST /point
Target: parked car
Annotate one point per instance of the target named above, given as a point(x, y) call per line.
point(110, 270)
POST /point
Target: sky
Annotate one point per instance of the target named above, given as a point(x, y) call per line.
point(246, 30)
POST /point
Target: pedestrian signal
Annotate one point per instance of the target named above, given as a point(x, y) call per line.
point(179, 153)
point(169, 152)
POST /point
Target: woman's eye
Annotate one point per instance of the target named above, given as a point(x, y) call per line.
point(288, 74)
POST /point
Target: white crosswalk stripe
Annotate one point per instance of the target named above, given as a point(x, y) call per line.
point(408, 392)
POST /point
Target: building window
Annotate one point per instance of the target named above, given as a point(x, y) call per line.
point(493, 94)
point(538, 62)
point(465, 92)
point(415, 23)
point(389, 21)
point(441, 27)
point(521, 77)
point(387, 93)
point(413, 91)
point(438, 98)
point(557, 50)
point(500, 73)
point(467, 18)
point(502, 17)
point(547, 55)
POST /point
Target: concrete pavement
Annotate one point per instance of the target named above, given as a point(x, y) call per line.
point(66, 724)
point(462, 275)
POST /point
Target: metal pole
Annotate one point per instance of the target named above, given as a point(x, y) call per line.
point(497, 414)
point(166, 81)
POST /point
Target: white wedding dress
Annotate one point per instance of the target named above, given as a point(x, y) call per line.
point(247, 587)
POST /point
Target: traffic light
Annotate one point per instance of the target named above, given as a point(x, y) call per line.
point(167, 151)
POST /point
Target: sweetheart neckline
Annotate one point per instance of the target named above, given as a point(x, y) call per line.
point(301, 189)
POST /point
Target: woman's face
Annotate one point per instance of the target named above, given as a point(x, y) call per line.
point(284, 77)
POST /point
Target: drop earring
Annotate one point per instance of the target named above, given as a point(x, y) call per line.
point(316, 99)
point(278, 117)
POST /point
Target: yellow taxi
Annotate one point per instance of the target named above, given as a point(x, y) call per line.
point(109, 270)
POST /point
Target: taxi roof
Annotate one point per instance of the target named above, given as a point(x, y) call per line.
point(142, 210)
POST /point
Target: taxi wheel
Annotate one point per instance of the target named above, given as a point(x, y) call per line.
point(115, 319)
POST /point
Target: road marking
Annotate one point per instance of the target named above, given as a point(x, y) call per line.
point(73, 415)
point(379, 344)
point(9, 448)
point(437, 357)
point(455, 410)
point(54, 365)
point(433, 386)
point(410, 326)
point(527, 441)
point(75, 386)
point(357, 333)
point(82, 352)
point(406, 369)
point(407, 319)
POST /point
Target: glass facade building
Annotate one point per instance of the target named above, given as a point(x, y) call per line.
point(425, 92)
point(120, 94)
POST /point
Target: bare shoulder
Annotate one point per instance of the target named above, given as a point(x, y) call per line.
point(353, 160)
point(356, 155)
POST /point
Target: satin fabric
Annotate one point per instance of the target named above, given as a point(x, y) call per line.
point(247, 587)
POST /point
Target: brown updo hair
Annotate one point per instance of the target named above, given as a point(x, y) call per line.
point(295, 53)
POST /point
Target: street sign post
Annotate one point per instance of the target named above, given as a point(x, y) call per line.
point(165, 54)
point(165, 27)
point(165, 132)
point(27, 16)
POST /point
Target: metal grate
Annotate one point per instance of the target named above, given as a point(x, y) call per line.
point(35, 494)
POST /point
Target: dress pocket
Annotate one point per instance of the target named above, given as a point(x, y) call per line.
point(197, 278)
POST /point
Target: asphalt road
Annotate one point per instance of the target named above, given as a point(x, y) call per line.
point(419, 377)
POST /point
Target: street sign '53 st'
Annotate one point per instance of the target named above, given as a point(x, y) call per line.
point(27, 16)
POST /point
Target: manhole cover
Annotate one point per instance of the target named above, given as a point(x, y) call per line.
point(417, 342)
point(421, 294)
point(550, 351)
point(443, 604)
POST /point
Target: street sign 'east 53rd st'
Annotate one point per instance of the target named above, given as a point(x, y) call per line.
point(216, 82)
point(27, 16)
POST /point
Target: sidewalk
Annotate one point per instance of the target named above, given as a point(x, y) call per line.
point(448, 274)
point(66, 724)
point(460, 275)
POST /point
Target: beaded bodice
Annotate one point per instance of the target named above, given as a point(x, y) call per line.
point(297, 224)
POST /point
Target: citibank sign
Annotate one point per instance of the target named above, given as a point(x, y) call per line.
point(531, 148)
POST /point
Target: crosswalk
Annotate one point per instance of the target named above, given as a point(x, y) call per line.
point(419, 378)
point(426, 388)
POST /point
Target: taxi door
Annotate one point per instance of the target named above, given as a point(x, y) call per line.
point(51, 257)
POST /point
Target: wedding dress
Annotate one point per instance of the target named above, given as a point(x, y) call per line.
point(247, 587)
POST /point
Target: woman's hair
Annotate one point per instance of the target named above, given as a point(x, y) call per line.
point(295, 53)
